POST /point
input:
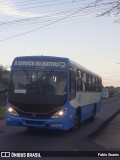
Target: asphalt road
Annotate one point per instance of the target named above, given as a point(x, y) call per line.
point(20, 139)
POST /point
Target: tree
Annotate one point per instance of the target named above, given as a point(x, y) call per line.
point(107, 8)
point(4, 78)
point(2, 68)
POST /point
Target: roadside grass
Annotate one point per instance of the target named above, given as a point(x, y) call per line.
point(2, 112)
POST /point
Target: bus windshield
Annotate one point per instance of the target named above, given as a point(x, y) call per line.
point(38, 82)
point(38, 87)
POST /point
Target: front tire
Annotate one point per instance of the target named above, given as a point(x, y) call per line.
point(94, 113)
point(76, 121)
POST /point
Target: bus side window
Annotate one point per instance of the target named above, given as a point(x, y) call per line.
point(79, 80)
point(100, 85)
point(96, 84)
point(84, 81)
point(93, 84)
point(72, 84)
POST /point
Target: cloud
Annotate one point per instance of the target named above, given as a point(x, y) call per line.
point(10, 9)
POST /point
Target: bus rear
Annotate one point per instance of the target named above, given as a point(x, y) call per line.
point(38, 93)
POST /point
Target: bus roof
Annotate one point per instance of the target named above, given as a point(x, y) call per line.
point(41, 56)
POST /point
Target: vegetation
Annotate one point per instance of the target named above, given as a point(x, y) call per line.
point(2, 112)
point(4, 77)
point(106, 8)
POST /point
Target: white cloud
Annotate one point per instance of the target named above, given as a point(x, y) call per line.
point(10, 9)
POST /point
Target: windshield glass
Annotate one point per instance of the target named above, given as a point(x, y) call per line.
point(38, 82)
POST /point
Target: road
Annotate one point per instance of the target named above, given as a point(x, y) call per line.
point(20, 139)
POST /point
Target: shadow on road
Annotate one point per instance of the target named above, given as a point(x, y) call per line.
point(56, 133)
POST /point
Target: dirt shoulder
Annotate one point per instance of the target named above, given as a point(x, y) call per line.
point(109, 137)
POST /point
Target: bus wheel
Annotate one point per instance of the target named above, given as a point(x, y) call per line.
point(94, 113)
point(76, 121)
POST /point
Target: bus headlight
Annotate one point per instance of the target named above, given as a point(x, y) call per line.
point(60, 113)
point(12, 111)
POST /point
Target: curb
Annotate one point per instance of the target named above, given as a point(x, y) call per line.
point(103, 125)
point(110, 100)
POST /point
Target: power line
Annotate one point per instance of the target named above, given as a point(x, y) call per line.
point(89, 6)
point(38, 22)
point(19, 2)
point(37, 17)
point(46, 17)
point(26, 4)
point(61, 3)
point(41, 6)
point(42, 26)
point(29, 2)
point(51, 19)
point(48, 21)
point(37, 6)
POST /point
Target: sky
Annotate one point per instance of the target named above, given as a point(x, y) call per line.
point(61, 28)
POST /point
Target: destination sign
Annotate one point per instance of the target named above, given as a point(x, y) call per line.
point(39, 63)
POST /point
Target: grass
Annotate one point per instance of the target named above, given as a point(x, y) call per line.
point(2, 112)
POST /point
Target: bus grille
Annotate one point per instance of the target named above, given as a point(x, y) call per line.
point(35, 122)
point(36, 114)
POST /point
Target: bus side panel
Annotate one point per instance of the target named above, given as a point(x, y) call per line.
point(98, 105)
point(87, 111)
point(88, 103)
point(71, 115)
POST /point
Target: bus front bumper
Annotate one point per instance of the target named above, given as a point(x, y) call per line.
point(60, 124)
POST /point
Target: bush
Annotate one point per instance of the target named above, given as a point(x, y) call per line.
point(2, 112)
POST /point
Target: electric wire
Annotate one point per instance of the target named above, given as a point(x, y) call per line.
point(41, 6)
point(54, 15)
point(42, 26)
point(51, 20)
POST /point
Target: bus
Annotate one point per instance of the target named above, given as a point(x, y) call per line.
point(51, 92)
